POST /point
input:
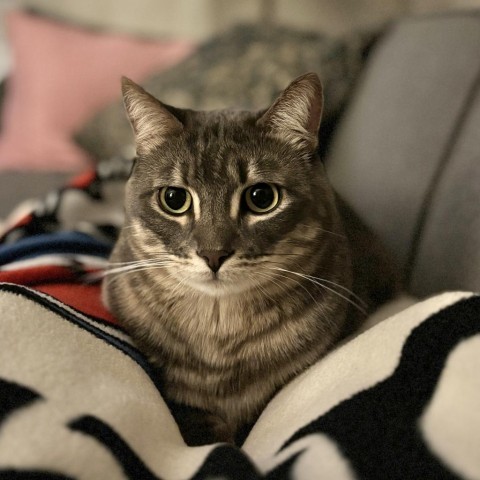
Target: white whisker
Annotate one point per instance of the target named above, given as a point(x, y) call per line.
point(297, 282)
point(347, 290)
point(116, 271)
point(133, 262)
point(270, 277)
point(318, 281)
point(116, 268)
point(323, 230)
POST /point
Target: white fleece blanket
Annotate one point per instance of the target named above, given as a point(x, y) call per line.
point(399, 401)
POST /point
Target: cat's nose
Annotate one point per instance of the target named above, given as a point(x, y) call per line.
point(214, 258)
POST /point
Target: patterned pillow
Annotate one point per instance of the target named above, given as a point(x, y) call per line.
point(243, 68)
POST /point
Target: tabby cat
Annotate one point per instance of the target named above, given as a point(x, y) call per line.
point(234, 271)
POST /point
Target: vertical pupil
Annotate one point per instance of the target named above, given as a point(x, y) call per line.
point(262, 196)
point(175, 198)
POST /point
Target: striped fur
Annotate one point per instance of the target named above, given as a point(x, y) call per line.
point(225, 345)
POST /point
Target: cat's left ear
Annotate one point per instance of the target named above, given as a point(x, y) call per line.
point(151, 120)
point(295, 115)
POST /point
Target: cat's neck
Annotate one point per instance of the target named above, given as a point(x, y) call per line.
point(227, 313)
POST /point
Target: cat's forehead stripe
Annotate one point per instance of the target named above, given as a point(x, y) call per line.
point(197, 212)
point(235, 203)
point(178, 177)
point(218, 148)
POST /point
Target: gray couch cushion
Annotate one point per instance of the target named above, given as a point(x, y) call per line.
point(395, 142)
point(448, 255)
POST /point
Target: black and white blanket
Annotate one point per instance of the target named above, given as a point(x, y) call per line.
point(79, 401)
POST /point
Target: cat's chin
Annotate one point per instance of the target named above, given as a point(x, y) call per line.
point(217, 287)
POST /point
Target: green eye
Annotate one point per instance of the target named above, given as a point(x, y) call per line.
point(174, 200)
point(262, 197)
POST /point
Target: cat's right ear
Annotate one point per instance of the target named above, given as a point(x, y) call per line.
point(151, 121)
point(295, 115)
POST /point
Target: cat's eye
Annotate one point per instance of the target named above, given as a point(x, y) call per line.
point(262, 197)
point(174, 200)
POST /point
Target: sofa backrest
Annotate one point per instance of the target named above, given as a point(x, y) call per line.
point(406, 154)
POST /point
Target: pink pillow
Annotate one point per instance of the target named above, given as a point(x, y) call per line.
point(61, 76)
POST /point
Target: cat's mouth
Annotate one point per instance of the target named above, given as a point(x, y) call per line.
point(213, 278)
point(218, 283)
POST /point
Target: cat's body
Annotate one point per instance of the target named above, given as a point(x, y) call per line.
point(231, 300)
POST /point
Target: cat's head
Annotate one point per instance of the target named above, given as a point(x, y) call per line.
point(221, 199)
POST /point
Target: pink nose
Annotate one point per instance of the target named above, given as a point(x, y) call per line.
point(214, 258)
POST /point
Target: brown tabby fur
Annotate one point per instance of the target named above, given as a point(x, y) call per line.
point(225, 342)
